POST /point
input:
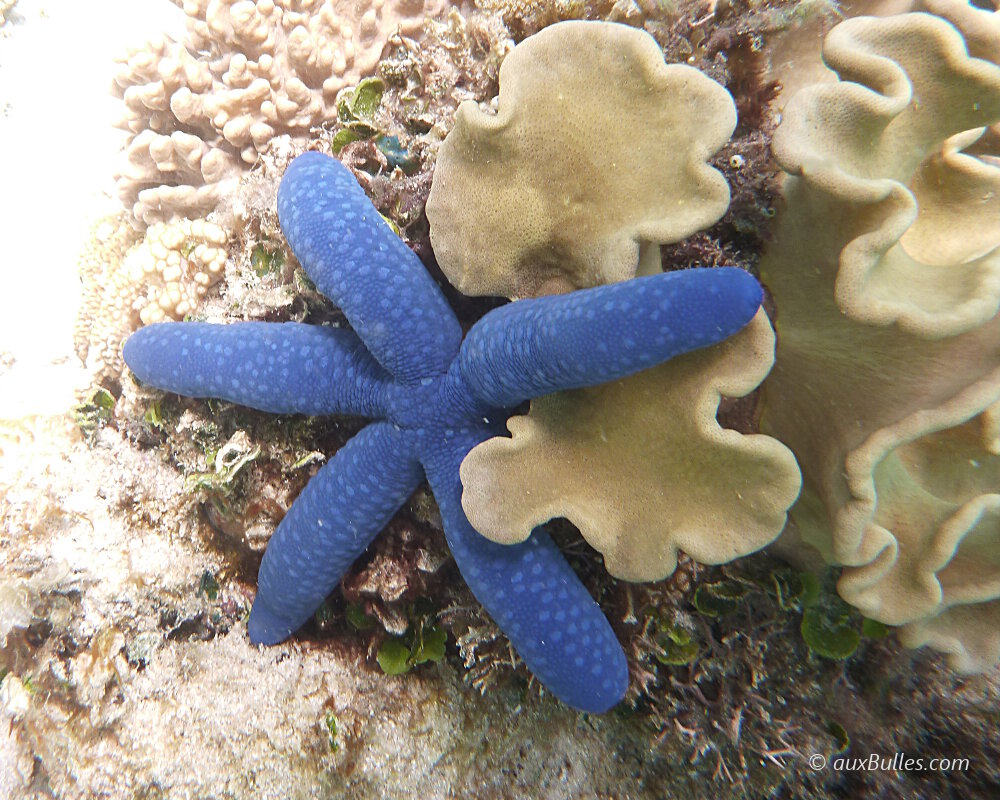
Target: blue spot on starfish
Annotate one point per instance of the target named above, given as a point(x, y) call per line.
point(434, 397)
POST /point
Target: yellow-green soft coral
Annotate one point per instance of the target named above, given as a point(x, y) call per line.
point(641, 466)
point(885, 270)
point(597, 146)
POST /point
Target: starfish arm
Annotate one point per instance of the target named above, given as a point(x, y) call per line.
point(530, 348)
point(284, 368)
point(329, 525)
point(357, 261)
point(536, 599)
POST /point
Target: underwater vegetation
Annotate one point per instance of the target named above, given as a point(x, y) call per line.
point(437, 400)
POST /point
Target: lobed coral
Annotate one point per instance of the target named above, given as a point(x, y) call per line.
point(178, 262)
point(202, 109)
point(885, 270)
point(127, 282)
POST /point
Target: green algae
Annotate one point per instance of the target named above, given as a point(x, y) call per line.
point(422, 642)
point(94, 413)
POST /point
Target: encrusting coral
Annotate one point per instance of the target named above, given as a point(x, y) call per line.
point(202, 109)
point(436, 397)
point(885, 271)
point(559, 188)
point(642, 466)
point(103, 322)
point(163, 276)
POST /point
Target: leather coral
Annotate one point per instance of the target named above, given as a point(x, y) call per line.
point(885, 269)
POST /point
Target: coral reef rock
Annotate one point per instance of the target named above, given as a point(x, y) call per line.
point(122, 678)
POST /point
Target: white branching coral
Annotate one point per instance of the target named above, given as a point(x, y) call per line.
point(202, 109)
point(164, 276)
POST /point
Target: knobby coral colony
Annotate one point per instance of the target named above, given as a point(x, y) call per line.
point(435, 397)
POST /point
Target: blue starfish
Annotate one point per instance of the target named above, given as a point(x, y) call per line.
point(435, 398)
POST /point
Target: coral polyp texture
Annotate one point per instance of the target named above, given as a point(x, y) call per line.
point(592, 153)
point(202, 109)
point(126, 282)
point(435, 397)
point(885, 268)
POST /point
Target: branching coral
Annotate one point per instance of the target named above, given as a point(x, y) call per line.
point(885, 270)
point(591, 153)
point(201, 109)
